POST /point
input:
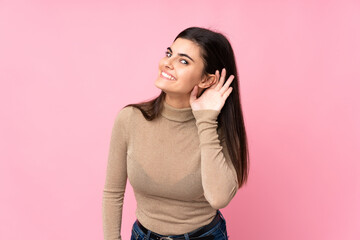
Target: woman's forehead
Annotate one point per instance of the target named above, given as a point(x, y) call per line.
point(185, 46)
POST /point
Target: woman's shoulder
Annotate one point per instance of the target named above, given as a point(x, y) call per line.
point(124, 113)
point(128, 113)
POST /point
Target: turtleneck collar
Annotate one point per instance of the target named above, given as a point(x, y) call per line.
point(177, 114)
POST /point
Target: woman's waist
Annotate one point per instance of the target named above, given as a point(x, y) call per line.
point(176, 220)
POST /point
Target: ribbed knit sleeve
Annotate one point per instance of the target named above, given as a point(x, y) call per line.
point(218, 174)
point(116, 176)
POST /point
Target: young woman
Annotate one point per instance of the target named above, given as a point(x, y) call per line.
point(185, 152)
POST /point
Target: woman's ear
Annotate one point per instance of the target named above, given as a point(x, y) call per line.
point(208, 81)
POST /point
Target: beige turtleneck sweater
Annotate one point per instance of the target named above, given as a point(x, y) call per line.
point(179, 169)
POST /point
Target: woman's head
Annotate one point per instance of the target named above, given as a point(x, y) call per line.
point(192, 59)
point(181, 68)
point(216, 50)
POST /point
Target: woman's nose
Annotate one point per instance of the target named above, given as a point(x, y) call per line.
point(168, 63)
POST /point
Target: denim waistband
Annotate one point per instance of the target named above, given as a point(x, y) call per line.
point(195, 233)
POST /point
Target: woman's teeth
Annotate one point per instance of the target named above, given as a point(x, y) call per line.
point(167, 76)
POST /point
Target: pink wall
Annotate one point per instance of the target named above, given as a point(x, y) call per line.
point(67, 67)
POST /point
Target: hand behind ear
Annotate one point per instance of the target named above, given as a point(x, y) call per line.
point(214, 97)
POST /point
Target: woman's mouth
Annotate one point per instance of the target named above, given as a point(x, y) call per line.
point(167, 76)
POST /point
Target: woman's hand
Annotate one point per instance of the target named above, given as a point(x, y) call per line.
point(214, 97)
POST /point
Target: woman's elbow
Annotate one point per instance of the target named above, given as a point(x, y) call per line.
point(218, 202)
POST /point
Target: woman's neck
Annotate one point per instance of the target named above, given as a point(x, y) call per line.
point(178, 101)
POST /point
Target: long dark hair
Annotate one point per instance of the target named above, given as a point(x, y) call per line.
point(217, 54)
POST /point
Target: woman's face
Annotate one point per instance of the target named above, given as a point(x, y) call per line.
point(181, 68)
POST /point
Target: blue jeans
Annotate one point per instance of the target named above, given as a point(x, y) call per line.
point(218, 231)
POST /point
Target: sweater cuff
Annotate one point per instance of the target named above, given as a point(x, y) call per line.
point(206, 115)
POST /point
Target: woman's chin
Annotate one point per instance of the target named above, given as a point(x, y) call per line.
point(160, 84)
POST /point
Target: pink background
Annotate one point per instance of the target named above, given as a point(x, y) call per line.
point(67, 67)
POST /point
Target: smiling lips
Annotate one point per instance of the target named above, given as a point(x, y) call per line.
point(167, 76)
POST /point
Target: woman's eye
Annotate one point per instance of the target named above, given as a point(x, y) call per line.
point(184, 61)
point(168, 54)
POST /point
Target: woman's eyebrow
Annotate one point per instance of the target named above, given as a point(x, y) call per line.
point(181, 54)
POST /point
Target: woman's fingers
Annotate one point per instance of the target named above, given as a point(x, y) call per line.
point(222, 79)
point(227, 93)
point(226, 85)
point(224, 89)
